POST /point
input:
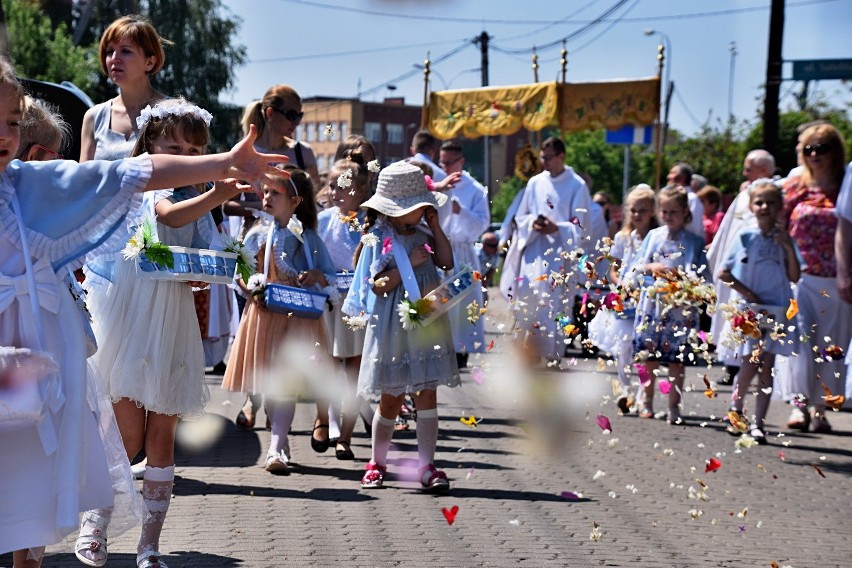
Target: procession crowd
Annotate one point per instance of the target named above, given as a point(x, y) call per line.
point(368, 287)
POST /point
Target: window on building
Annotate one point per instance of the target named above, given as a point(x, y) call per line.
point(394, 133)
point(310, 130)
point(320, 163)
point(300, 132)
point(373, 132)
point(343, 130)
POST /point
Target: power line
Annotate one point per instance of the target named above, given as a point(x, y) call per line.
point(573, 35)
point(564, 20)
point(352, 52)
point(485, 21)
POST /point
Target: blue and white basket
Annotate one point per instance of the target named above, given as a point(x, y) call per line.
point(451, 291)
point(344, 282)
point(296, 301)
point(191, 264)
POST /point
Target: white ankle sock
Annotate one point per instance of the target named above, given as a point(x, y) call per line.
point(382, 434)
point(427, 435)
point(157, 493)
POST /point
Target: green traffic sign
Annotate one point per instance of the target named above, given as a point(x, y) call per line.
point(817, 69)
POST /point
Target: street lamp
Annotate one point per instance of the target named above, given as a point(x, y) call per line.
point(433, 72)
point(733, 49)
point(668, 70)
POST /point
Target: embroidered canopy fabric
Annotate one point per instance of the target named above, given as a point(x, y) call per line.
point(608, 104)
point(572, 107)
point(492, 111)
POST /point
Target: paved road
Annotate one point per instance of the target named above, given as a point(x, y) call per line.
point(643, 486)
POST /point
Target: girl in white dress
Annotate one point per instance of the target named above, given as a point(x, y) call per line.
point(52, 471)
point(401, 263)
point(150, 352)
point(609, 330)
point(339, 228)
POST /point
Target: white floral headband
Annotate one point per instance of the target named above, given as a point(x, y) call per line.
point(179, 109)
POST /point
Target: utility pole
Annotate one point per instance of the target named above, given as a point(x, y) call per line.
point(486, 142)
point(773, 78)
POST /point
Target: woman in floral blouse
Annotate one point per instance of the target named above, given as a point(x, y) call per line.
point(824, 321)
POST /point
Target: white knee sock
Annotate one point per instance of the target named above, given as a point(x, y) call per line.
point(281, 419)
point(382, 434)
point(427, 435)
point(157, 493)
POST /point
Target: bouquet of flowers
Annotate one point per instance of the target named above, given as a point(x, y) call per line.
point(675, 287)
point(144, 242)
point(413, 313)
point(246, 265)
point(256, 284)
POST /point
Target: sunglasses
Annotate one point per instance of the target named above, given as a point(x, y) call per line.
point(47, 152)
point(289, 114)
point(818, 149)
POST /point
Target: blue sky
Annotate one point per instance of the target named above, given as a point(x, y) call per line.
point(326, 47)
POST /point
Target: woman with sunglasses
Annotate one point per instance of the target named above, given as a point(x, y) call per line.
point(809, 212)
point(276, 117)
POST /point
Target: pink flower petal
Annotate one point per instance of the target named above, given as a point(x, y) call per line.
point(570, 495)
point(477, 375)
point(604, 423)
point(665, 386)
point(387, 245)
point(644, 375)
point(428, 248)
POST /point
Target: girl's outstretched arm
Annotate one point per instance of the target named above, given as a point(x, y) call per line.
point(185, 212)
point(242, 162)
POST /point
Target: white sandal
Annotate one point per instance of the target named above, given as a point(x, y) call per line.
point(149, 559)
point(92, 541)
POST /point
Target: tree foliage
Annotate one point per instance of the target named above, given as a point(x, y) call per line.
point(40, 51)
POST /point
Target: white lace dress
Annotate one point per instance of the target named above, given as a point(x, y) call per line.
point(149, 342)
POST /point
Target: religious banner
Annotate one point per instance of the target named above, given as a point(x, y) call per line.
point(492, 111)
point(608, 104)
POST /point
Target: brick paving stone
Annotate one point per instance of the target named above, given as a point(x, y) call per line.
point(507, 476)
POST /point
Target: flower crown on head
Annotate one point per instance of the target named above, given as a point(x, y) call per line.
point(179, 109)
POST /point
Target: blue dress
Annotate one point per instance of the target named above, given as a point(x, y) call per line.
point(661, 332)
point(67, 208)
point(398, 361)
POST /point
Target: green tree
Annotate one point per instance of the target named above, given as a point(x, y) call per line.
point(39, 51)
point(715, 152)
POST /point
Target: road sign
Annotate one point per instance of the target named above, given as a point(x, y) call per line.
point(816, 69)
point(630, 135)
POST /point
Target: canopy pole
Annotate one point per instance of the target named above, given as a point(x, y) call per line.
point(658, 165)
point(424, 115)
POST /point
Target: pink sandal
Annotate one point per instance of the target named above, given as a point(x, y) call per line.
point(374, 478)
point(433, 480)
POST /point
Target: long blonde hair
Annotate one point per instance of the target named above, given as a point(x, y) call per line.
point(638, 193)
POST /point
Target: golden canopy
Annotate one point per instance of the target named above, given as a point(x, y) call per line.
point(492, 111)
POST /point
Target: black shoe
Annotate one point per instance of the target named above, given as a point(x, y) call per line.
point(344, 454)
point(218, 369)
point(461, 360)
point(319, 446)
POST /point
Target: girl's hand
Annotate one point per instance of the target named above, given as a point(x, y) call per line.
point(245, 163)
point(652, 268)
point(313, 276)
point(230, 188)
point(783, 238)
point(419, 255)
point(448, 182)
point(431, 217)
point(258, 299)
point(198, 284)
